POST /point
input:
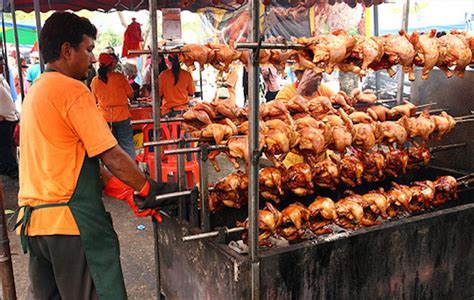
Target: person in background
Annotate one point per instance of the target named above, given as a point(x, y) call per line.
point(229, 81)
point(34, 70)
point(8, 121)
point(73, 248)
point(112, 91)
point(308, 84)
point(146, 82)
point(176, 86)
point(24, 69)
point(130, 72)
point(270, 79)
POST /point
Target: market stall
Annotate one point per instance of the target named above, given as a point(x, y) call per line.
point(404, 256)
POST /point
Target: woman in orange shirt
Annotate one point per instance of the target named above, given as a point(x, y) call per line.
point(112, 91)
point(176, 85)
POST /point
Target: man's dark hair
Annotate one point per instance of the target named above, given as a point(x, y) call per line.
point(60, 28)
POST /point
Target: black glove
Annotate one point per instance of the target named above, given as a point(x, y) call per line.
point(147, 199)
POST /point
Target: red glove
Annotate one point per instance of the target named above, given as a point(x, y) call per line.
point(119, 190)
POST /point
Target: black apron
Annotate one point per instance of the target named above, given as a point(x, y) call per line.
point(98, 237)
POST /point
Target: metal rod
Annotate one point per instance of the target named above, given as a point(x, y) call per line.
point(401, 75)
point(206, 235)
point(464, 117)
point(5, 54)
point(173, 195)
point(160, 51)
point(282, 46)
point(155, 96)
point(181, 181)
point(426, 105)
point(254, 102)
point(203, 186)
point(432, 111)
point(446, 147)
point(200, 83)
point(193, 208)
point(162, 120)
point(464, 121)
point(17, 48)
point(36, 5)
point(195, 149)
point(6, 267)
point(171, 142)
point(376, 33)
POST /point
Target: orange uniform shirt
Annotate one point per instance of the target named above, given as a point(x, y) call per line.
point(60, 124)
point(112, 97)
point(289, 91)
point(175, 97)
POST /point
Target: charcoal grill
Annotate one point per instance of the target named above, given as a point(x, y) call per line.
point(426, 255)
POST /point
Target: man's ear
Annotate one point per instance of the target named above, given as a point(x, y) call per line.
point(66, 51)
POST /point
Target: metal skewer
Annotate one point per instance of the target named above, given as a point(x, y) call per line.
point(432, 111)
point(162, 51)
point(151, 121)
point(195, 149)
point(446, 147)
point(282, 46)
point(426, 105)
point(206, 235)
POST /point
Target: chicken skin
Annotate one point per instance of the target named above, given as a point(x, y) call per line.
point(323, 212)
point(300, 179)
point(271, 181)
point(427, 53)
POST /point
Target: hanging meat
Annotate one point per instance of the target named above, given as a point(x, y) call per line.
point(398, 50)
point(427, 53)
point(454, 51)
point(196, 53)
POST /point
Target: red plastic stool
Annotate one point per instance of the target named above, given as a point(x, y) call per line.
point(170, 130)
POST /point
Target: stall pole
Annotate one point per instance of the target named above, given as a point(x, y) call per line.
point(401, 75)
point(155, 88)
point(17, 48)
point(155, 95)
point(6, 267)
point(376, 33)
point(203, 186)
point(5, 52)
point(36, 5)
point(254, 151)
point(181, 171)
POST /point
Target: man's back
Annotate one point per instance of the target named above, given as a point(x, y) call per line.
point(59, 123)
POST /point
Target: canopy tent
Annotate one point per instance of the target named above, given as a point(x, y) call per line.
point(26, 34)
point(134, 5)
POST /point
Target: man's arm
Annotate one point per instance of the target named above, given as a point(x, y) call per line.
point(121, 165)
point(309, 84)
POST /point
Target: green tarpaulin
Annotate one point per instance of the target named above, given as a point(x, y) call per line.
point(26, 34)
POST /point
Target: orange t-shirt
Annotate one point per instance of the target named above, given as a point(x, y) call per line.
point(175, 97)
point(60, 123)
point(289, 91)
point(112, 96)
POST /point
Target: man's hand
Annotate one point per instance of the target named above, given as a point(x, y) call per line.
point(309, 83)
point(146, 198)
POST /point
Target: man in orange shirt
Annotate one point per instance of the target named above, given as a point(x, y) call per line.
point(176, 85)
point(308, 84)
point(74, 250)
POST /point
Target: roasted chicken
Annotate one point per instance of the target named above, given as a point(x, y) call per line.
point(300, 179)
point(323, 212)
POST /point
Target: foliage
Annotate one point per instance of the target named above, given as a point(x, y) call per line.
point(108, 38)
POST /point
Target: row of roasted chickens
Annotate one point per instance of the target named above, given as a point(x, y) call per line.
point(353, 210)
point(354, 54)
point(280, 134)
point(301, 179)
